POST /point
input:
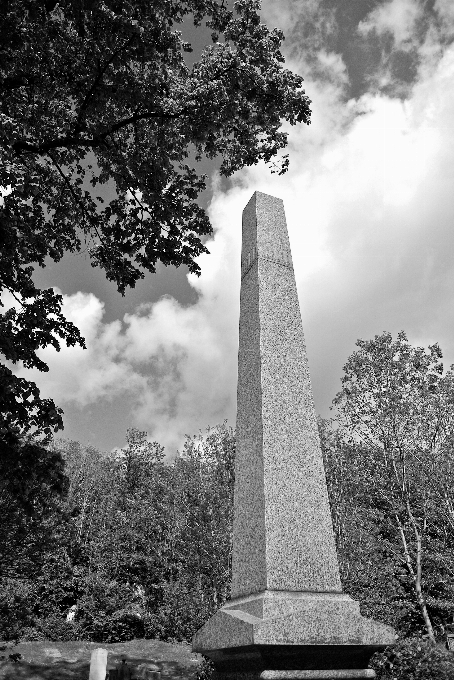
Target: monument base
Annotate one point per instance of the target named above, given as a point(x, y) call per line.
point(276, 635)
point(348, 674)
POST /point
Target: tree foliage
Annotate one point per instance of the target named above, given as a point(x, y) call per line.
point(396, 414)
point(32, 486)
point(366, 551)
point(141, 546)
point(98, 92)
point(203, 516)
point(414, 659)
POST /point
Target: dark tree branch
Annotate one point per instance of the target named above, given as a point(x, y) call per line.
point(96, 82)
point(76, 198)
point(71, 141)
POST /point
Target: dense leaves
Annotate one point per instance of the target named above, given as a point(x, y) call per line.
point(414, 659)
point(395, 396)
point(137, 546)
point(372, 561)
point(33, 486)
point(102, 123)
point(32, 483)
point(396, 419)
point(141, 547)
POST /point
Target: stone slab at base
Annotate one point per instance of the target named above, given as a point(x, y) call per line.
point(345, 674)
point(277, 635)
point(318, 675)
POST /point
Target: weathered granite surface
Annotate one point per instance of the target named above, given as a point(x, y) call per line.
point(291, 631)
point(283, 537)
point(287, 612)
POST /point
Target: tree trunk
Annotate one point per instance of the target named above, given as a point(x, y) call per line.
point(416, 575)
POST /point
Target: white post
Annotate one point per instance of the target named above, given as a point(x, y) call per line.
point(98, 664)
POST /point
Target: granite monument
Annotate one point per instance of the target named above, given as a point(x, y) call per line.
point(287, 617)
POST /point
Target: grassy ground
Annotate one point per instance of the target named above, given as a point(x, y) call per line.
point(71, 660)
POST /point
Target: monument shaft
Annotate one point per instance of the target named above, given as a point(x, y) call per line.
point(287, 618)
point(283, 536)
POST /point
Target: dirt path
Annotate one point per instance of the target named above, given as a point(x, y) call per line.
point(71, 660)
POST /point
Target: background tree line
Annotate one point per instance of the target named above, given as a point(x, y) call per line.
point(143, 547)
point(390, 466)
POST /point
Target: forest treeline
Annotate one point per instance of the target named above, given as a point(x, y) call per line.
point(136, 546)
point(140, 546)
point(143, 547)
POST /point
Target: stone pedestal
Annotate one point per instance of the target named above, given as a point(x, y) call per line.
point(287, 618)
point(349, 674)
point(292, 635)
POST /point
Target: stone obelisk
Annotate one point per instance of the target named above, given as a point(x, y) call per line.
point(287, 617)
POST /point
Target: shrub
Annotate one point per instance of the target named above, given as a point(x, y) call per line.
point(119, 626)
point(56, 629)
point(414, 659)
point(205, 670)
point(32, 634)
point(16, 608)
point(122, 626)
point(182, 612)
point(107, 612)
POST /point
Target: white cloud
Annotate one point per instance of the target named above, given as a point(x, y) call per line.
point(370, 207)
point(174, 366)
point(396, 17)
point(7, 301)
point(445, 10)
point(332, 67)
point(4, 191)
point(309, 27)
point(85, 376)
point(281, 14)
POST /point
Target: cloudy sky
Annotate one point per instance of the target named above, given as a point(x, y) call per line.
point(369, 199)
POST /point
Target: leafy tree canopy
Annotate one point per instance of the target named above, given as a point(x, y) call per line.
point(98, 91)
point(395, 396)
point(32, 485)
point(397, 402)
point(141, 547)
